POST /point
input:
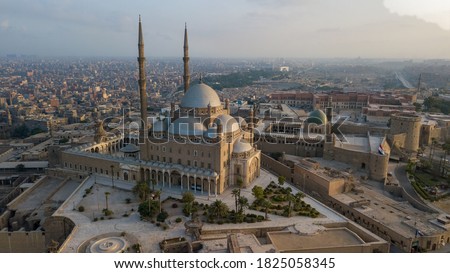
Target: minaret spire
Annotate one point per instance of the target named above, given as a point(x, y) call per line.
point(142, 79)
point(186, 75)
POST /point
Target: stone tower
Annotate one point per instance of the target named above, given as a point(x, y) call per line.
point(186, 75)
point(408, 124)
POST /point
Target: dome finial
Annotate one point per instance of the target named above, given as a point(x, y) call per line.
point(200, 80)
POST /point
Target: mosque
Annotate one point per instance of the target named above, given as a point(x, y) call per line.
point(198, 147)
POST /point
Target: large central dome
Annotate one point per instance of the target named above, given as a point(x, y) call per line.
point(199, 96)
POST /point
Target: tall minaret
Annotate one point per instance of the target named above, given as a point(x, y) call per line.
point(142, 79)
point(186, 76)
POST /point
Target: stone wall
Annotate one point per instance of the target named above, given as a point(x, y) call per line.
point(276, 167)
point(22, 242)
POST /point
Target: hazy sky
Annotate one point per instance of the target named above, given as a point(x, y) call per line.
point(231, 28)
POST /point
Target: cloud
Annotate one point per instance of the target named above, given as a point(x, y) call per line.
point(431, 11)
point(4, 24)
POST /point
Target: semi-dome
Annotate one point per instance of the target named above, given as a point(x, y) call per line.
point(317, 116)
point(187, 126)
point(199, 96)
point(229, 124)
point(241, 146)
point(212, 131)
point(160, 125)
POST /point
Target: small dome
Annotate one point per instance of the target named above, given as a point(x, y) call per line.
point(187, 126)
point(318, 117)
point(160, 125)
point(241, 146)
point(199, 96)
point(130, 148)
point(229, 124)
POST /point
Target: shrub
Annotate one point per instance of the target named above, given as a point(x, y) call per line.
point(123, 234)
point(95, 219)
point(102, 218)
point(178, 220)
point(220, 222)
point(87, 191)
point(80, 208)
point(162, 216)
point(107, 212)
point(128, 200)
point(174, 205)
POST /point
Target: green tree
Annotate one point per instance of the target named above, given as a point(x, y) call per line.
point(142, 190)
point(188, 200)
point(187, 197)
point(281, 180)
point(258, 192)
point(266, 205)
point(148, 208)
point(20, 168)
point(21, 131)
point(218, 209)
point(243, 204)
point(240, 182)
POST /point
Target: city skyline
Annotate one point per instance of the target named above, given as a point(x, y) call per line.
point(235, 29)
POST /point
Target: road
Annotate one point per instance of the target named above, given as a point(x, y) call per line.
point(400, 174)
point(405, 83)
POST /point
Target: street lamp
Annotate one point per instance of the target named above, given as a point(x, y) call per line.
point(112, 175)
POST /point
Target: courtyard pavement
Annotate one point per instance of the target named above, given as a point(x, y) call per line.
point(127, 219)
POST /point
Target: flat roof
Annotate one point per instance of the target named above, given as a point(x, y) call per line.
point(27, 164)
point(338, 237)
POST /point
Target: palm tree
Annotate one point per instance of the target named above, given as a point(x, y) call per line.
point(153, 181)
point(243, 204)
point(141, 189)
point(218, 209)
point(158, 195)
point(290, 198)
point(236, 193)
point(106, 198)
point(266, 205)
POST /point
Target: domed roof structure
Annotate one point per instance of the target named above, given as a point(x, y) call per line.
point(130, 148)
point(199, 96)
point(187, 126)
point(318, 117)
point(229, 124)
point(241, 146)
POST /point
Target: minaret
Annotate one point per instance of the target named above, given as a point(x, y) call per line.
point(142, 80)
point(251, 125)
point(186, 76)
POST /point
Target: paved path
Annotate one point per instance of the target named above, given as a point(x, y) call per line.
point(401, 175)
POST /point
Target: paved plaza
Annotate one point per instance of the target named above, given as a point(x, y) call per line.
point(89, 223)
